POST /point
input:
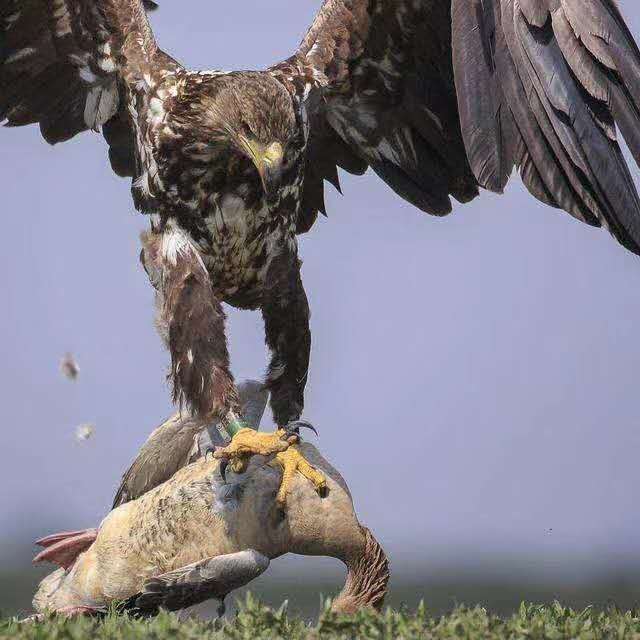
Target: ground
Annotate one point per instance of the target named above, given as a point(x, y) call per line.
point(255, 621)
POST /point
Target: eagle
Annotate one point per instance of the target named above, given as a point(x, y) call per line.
point(440, 98)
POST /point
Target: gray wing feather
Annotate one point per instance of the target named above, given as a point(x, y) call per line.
point(253, 399)
point(489, 132)
point(178, 441)
point(166, 450)
point(210, 578)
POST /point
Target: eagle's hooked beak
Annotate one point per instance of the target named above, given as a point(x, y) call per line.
point(268, 160)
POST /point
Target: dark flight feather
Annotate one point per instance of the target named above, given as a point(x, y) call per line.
point(536, 11)
point(598, 158)
point(487, 124)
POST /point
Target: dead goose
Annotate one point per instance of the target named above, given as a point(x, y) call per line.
point(197, 537)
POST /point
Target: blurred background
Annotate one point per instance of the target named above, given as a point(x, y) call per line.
point(474, 378)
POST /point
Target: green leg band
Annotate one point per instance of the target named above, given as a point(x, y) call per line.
point(231, 424)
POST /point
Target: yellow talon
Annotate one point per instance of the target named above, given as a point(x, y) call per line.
point(251, 442)
point(248, 442)
point(291, 461)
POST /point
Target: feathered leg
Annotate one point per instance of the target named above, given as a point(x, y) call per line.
point(191, 321)
point(286, 321)
point(286, 316)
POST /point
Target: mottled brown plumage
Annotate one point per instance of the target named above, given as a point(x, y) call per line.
point(214, 157)
point(439, 97)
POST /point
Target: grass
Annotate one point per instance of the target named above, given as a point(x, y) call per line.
point(255, 621)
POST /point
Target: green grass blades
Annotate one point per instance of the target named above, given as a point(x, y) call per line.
point(254, 621)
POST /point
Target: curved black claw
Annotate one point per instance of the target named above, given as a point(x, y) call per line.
point(293, 428)
point(223, 469)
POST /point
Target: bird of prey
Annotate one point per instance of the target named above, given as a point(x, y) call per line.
point(440, 98)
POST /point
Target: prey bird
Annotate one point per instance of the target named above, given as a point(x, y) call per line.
point(196, 537)
point(440, 98)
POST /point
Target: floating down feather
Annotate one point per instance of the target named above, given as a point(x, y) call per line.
point(69, 367)
point(84, 432)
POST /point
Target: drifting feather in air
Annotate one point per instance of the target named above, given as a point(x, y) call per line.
point(84, 432)
point(69, 367)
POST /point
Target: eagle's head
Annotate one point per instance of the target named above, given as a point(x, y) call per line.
point(252, 115)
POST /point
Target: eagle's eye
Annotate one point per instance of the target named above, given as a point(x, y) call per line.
point(246, 131)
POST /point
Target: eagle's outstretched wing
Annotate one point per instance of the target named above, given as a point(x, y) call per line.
point(65, 65)
point(441, 98)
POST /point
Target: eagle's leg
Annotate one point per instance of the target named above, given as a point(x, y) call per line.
point(286, 322)
point(286, 317)
point(191, 321)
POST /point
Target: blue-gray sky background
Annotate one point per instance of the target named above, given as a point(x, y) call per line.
point(474, 378)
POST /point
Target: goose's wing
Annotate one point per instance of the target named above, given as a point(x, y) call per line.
point(214, 577)
point(179, 440)
point(166, 451)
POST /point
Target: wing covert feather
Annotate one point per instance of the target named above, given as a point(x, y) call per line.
point(388, 94)
point(63, 65)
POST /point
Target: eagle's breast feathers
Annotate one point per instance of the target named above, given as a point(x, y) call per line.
point(210, 191)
